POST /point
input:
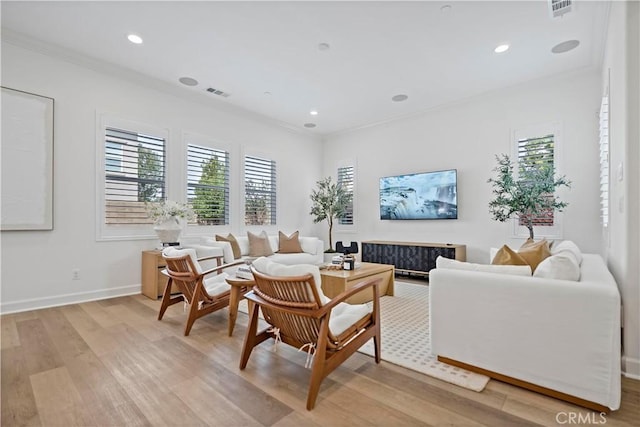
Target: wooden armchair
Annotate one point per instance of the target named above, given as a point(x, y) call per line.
point(203, 294)
point(300, 315)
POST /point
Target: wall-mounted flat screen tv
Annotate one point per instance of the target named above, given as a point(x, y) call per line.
point(426, 195)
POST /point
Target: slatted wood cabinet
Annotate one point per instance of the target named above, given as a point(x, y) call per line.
point(411, 257)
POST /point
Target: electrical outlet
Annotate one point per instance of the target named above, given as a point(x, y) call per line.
point(75, 274)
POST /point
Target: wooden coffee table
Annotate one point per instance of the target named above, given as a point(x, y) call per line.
point(336, 281)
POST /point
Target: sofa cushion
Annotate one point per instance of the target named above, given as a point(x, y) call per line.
point(563, 266)
point(235, 247)
point(518, 270)
point(534, 252)
point(568, 245)
point(259, 245)
point(289, 244)
point(507, 256)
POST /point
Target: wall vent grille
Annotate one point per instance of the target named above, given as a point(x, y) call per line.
point(557, 8)
point(218, 92)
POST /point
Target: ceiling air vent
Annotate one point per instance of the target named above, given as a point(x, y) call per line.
point(218, 92)
point(557, 8)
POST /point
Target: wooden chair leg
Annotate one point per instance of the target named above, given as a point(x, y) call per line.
point(250, 339)
point(318, 367)
point(376, 346)
point(166, 299)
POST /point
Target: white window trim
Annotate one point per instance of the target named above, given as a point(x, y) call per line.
point(196, 231)
point(112, 232)
point(556, 231)
point(256, 229)
point(349, 228)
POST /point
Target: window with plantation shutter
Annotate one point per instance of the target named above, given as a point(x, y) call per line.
point(134, 171)
point(208, 184)
point(604, 160)
point(260, 191)
point(346, 180)
point(537, 153)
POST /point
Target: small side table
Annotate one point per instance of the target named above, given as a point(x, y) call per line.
point(239, 287)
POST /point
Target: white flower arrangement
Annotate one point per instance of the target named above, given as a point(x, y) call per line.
point(168, 209)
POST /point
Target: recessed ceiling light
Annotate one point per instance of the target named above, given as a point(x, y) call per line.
point(502, 48)
point(445, 8)
point(309, 125)
point(565, 46)
point(134, 38)
point(324, 46)
point(399, 98)
point(313, 112)
point(267, 93)
point(188, 81)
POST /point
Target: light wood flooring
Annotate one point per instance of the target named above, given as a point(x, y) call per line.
point(111, 363)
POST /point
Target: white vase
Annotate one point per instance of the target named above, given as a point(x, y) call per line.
point(169, 230)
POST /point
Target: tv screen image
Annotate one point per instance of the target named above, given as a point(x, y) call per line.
point(427, 195)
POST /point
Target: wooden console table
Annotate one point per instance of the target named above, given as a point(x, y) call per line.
point(411, 257)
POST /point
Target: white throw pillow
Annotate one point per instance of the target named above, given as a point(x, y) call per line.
point(568, 245)
point(562, 265)
point(266, 266)
point(452, 264)
point(308, 244)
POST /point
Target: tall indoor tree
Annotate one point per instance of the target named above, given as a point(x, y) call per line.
point(530, 196)
point(329, 201)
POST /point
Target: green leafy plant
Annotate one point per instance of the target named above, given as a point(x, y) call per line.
point(329, 201)
point(529, 197)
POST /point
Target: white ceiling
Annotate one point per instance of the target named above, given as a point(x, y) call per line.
point(377, 50)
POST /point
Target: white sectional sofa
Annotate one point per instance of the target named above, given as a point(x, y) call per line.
point(312, 247)
point(559, 337)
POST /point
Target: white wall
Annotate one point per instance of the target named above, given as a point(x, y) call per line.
point(467, 136)
point(623, 235)
point(36, 266)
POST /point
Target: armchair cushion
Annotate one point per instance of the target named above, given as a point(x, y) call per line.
point(345, 315)
point(266, 266)
point(171, 252)
point(217, 284)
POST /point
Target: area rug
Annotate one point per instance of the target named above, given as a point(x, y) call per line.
point(404, 324)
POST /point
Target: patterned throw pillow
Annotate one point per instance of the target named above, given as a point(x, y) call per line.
point(259, 245)
point(235, 247)
point(289, 244)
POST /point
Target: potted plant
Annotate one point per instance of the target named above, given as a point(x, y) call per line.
point(529, 197)
point(167, 216)
point(329, 201)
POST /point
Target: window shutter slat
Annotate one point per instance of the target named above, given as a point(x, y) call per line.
point(134, 175)
point(346, 180)
point(208, 184)
point(260, 191)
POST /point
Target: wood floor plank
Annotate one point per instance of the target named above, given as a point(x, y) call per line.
point(211, 405)
point(96, 310)
point(39, 351)
point(167, 409)
point(9, 332)
point(62, 333)
point(54, 389)
point(17, 400)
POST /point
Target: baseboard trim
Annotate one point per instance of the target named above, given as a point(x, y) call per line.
point(529, 386)
point(631, 367)
point(75, 298)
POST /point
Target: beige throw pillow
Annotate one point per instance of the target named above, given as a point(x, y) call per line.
point(259, 245)
point(235, 247)
point(507, 256)
point(289, 244)
point(534, 252)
